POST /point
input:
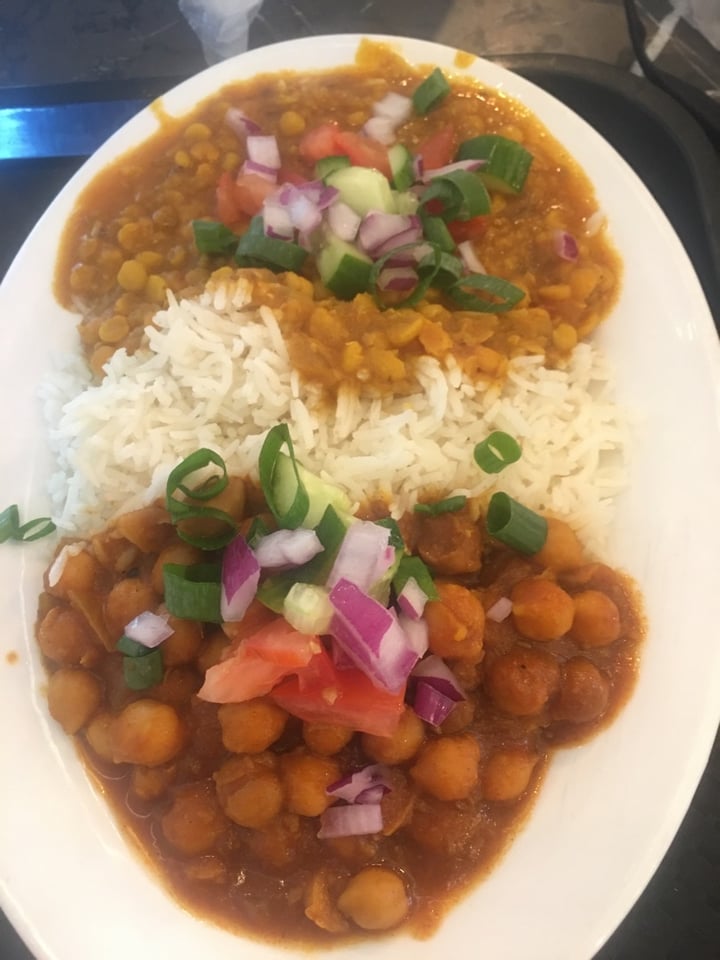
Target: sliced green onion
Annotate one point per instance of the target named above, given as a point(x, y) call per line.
point(437, 232)
point(193, 592)
point(131, 648)
point(12, 529)
point(496, 452)
point(294, 514)
point(462, 194)
point(506, 165)
point(446, 269)
point(213, 237)
point(255, 249)
point(143, 672)
point(513, 524)
point(506, 294)
point(415, 568)
point(448, 505)
point(258, 529)
point(182, 510)
point(431, 92)
point(395, 539)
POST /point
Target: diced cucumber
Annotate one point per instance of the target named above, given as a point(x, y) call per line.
point(320, 494)
point(405, 203)
point(327, 165)
point(343, 268)
point(507, 161)
point(363, 189)
point(401, 167)
point(307, 608)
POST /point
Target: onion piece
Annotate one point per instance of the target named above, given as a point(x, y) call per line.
point(365, 554)
point(263, 150)
point(240, 123)
point(354, 787)
point(413, 234)
point(470, 258)
point(287, 548)
point(469, 165)
point(343, 221)
point(379, 229)
point(276, 221)
point(353, 820)
point(149, 629)
point(434, 671)
point(416, 632)
point(397, 278)
point(565, 245)
point(431, 705)
point(395, 106)
point(412, 599)
point(240, 578)
point(260, 170)
point(500, 610)
point(371, 636)
point(381, 129)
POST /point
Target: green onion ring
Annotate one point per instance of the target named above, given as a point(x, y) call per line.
point(12, 529)
point(515, 525)
point(448, 505)
point(507, 293)
point(277, 438)
point(496, 452)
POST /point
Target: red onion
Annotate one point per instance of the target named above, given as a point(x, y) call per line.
point(413, 234)
point(305, 214)
point(431, 705)
point(364, 556)
point(276, 221)
point(397, 278)
point(263, 150)
point(240, 123)
point(500, 610)
point(371, 636)
point(418, 166)
point(412, 599)
point(470, 258)
point(381, 129)
point(287, 548)
point(469, 165)
point(343, 221)
point(355, 787)
point(395, 106)
point(240, 577)
point(379, 229)
point(565, 245)
point(434, 671)
point(416, 632)
point(354, 820)
point(260, 170)
point(149, 629)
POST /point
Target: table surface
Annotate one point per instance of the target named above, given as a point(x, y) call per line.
point(50, 42)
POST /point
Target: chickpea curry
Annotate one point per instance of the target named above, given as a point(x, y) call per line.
point(413, 215)
point(319, 726)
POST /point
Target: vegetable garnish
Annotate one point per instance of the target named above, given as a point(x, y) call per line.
point(413, 567)
point(144, 671)
point(193, 592)
point(515, 525)
point(213, 237)
point(142, 660)
point(353, 820)
point(431, 92)
point(436, 690)
point(462, 194)
point(448, 505)
point(506, 163)
point(148, 629)
point(256, 249)
point(506, 295)
point(496, 452)
point(240, 577)
point(289, 506)
point(12, 529)
point(181, 510)
point(363, 785)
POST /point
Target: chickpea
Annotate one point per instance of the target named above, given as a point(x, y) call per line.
point(460, 716)
point(541, 609)
point(147, 732)
point(74, 695)
point(447, 768)
point(99, 734)
point(597, 619)
point(562, 549)
point(375, 899)
point(450, 542)
point(181, 553)
point(177, 685)
point(127, 599)
point(150, 783)
point(306, 779)
point(249, 790)
point(522, 681)
point(212, 651)
point(584, 692)
point(402, 745)
point(132, 276)
point(326, 738)
point(65, 637)
point(456, 623)
point(280, 843)
point(148, 528)
point(507, 773)
point(194, 823)
point(183, 645)
point(252, 726)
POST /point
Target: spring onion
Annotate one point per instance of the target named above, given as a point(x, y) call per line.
point(506, 163)
point(12, 529)
point(213, 237)
point(193, 592)
point(143, 672)
point(431, 92)
point(505, 294)
point(255, 249)
point(448, 505)
point(413, 567)
point(182, 510)
point(496, 452)
point(463, 195)
point(396, 539)
point(514, 524)
point(288, 501)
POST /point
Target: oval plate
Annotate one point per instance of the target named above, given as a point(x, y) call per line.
point(607, 812)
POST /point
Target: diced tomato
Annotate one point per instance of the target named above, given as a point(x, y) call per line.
point(328, 140)
point(251, 191)
point(227, 208)
point(472, 229)
point(322, 693)
point(258, 663)
point(438, 149)
point(319, 142)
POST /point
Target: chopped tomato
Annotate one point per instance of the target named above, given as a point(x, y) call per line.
point(319, 142)
point(328, 140)
point(438, 149)
point(472, 229)
point(227, 208)
point(324, 694)
point(258, 663)
point(251, 191)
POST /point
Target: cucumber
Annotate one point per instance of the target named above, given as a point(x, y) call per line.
point(507, 161)
point(401, 167)
point(327, 165)
point(307, 608)
point(343, 268)
point(405, 203)
point(362, 189)
point(320, 493)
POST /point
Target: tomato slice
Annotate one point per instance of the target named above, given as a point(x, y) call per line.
point(363, 151)
point(227, 208)
point(472, 229)
point(438, 149)
point(251, 191)
point(319, 142)
point(322, 693)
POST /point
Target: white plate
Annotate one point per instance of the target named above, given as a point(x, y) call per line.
point(607, 811)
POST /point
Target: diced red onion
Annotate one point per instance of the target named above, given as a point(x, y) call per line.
point(305, 214)
point(149, 629)
point(395, 106)
point(418, 165)
point(371, 636)
point(240, 123)
point(431, 705)
point(412, 599)
point(500, 610)
point(287, 548)
point(240, 577)
point(435, 671)
point(260, 170)
point(421, 251)
point(381, 129)
point(276, 221)
point(397, 278)
point(364, 556)
point(470, 258)
point(353, 820)
point(354, 787)
point(263, 150)
point(565, 245)
point(469, 165)
point(413, 234)
point(314, 190)
point(343, 221)
point(379, 229)
point(416, 632)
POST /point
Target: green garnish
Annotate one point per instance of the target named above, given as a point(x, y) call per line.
point(463, 195)
point(506, 294)
point(213, 237)
point(182, 510)
point(437, 232)
point(431, 92)
point(506, 162)
point(255, 249)
point(496, 452)
point(143, 672)
point(415, 568)
point(448, 505)
point(192, 592)
point(12, 529)
point(297, 501)
point(395, 539)
point(258, 529)
point(131, 648)
point(513, 524)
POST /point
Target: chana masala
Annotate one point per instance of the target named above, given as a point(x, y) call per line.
point(318, 722)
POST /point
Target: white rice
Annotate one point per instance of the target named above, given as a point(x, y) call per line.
point(215, 373)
